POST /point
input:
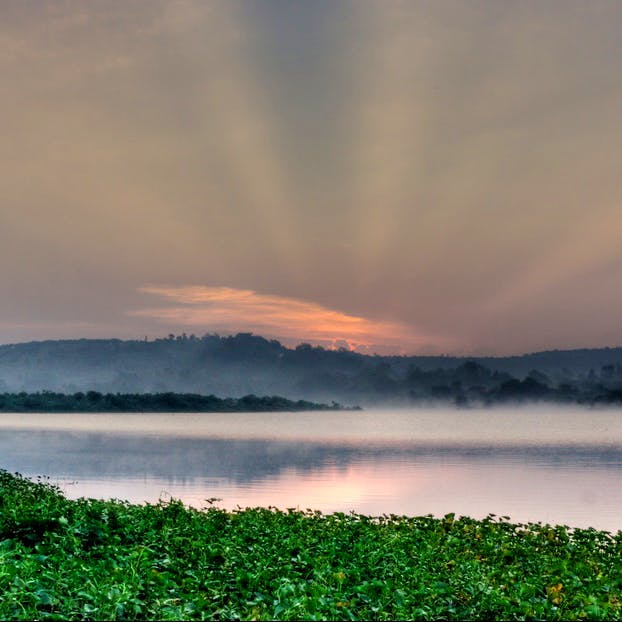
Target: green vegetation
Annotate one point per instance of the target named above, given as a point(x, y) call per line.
point(90, 559)
point(92, 401)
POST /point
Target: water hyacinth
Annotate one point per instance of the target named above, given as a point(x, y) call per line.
point(90, 559)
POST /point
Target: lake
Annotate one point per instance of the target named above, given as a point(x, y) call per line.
point(556, 465)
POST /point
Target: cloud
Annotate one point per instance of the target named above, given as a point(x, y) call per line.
point(227, 310)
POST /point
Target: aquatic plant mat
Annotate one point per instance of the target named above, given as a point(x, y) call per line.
point(87, 559)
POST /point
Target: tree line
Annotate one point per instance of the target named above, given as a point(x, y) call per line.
point(93, 401)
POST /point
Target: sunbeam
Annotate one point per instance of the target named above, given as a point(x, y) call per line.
point(236, 117)
point(385, 143)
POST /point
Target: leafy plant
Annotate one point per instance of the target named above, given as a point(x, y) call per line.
point(98, 560)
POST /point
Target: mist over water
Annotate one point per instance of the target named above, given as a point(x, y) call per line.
point(551, 465)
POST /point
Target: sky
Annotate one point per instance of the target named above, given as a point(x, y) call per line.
point(416, 177)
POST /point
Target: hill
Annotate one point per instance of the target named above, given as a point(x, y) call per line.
point(249, 364)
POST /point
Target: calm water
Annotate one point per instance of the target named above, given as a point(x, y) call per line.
point(557, 466)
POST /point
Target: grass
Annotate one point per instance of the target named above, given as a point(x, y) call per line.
point(88, 559)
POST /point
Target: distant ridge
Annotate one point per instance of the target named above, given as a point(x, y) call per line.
point(244, 364)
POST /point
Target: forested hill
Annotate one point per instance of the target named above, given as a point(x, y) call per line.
point(248, 364)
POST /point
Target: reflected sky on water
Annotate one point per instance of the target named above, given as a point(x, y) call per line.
point(550, 466)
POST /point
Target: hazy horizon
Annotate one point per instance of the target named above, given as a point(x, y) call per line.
point(410, 178)
point(290, 343)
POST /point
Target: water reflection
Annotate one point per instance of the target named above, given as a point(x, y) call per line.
point(571, 483)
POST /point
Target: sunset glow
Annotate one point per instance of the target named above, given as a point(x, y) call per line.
point(227, 310)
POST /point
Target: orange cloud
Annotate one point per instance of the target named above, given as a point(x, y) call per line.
point(227, 310)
